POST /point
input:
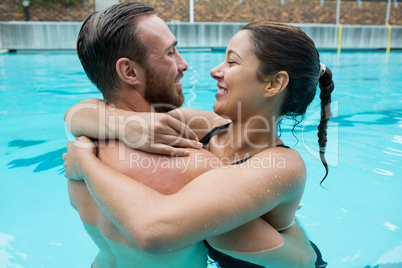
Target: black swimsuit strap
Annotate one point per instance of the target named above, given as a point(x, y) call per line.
point(247, 158)
point(205, 140)
point(230, 262)
point(242, 161)
point(213, 132)
point(227, 261)
point(283, 146)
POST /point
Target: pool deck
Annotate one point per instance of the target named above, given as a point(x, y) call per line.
point(62, 36)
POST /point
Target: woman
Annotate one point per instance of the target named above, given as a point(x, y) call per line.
point(271, 71)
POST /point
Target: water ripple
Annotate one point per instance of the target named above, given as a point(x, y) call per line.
point(394, 152)
point(388, 225)
point(397, 139)
point(383, 172)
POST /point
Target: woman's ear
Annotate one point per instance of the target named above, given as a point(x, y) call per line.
point(277, 83)
point(127, 71)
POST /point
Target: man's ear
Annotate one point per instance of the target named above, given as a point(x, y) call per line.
point(277, 83)
point(127, 70)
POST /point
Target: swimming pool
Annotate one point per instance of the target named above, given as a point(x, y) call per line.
point(354, 219)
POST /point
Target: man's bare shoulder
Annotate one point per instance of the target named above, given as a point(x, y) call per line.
point(165, 174)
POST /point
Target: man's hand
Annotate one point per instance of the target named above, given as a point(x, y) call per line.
point(77, 153)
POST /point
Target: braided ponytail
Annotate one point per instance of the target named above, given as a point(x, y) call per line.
point(327, 86)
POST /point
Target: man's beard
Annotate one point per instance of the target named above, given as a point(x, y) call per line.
point(161, 93)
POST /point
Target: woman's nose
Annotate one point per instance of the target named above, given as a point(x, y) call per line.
point(217, 72)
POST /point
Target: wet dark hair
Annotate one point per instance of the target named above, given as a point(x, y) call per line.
point(282, 47)
point(105, 37)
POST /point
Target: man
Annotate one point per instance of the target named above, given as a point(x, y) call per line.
point(130, 55)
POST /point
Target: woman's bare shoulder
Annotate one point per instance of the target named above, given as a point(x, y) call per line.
point(200, 121)
point(285, 164)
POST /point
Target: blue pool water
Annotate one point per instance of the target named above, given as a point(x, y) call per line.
point(355, 220)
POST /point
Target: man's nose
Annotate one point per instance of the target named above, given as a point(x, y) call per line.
point(182, 64)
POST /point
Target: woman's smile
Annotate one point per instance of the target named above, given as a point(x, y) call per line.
point(221, 91)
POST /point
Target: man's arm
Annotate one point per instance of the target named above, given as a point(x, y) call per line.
point(150, 132)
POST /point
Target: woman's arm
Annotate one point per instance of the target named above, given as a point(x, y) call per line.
point(150, 132)
point(293, 249)
point(215, 202)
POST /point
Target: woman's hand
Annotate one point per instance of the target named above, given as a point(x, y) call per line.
point(77, 153)
point(157, 133)
point(150, 132)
